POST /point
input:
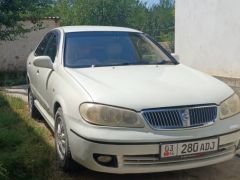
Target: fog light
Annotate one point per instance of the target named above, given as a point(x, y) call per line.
point(106, 160)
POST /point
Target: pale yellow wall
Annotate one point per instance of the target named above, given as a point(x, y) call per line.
point(13, 54)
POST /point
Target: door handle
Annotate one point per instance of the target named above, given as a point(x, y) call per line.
point(38, 71)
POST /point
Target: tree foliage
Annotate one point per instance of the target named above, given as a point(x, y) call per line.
point(158, 20)
point(13, 12)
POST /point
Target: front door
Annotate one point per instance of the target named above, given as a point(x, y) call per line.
point(44, 74)
point(34, 70)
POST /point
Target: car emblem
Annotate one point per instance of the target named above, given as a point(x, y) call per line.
point(185, 117)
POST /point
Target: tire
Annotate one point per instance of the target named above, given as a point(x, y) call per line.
point(33, 111)
point(63, 153)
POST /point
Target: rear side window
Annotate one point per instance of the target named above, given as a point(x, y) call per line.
point(43, 45)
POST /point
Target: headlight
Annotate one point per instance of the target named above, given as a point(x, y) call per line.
point(230, 107)
point(109, 116)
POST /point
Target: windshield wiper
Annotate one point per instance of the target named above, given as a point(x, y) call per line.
point(123, 64)
point(155, 63)
point(126, 64)
point(162, 62)
point(117, 64)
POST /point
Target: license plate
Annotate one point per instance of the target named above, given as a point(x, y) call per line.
point(187, 148)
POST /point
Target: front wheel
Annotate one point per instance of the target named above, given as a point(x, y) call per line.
point(64, 158)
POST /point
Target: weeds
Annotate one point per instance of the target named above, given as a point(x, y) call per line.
point(12, 78)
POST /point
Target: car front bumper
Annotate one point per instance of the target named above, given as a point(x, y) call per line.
point(137, 151)
point(144, 157)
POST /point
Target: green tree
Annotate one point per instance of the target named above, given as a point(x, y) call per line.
point(157, 21)
point(139, 16)
point(161, 18)
point(13, 12)
point(96, 12)
point(63, 9)
point(161, 22)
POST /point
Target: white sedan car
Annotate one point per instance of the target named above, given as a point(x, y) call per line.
point(119, 103)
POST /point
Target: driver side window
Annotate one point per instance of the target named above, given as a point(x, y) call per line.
point(43, 45)
point(48, 46)
point(51, 49)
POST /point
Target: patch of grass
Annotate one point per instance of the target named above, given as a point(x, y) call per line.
point(3, 172)
point(26, 147)
point(12, 78)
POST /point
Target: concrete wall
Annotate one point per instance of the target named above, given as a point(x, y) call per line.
point(13, 54)
point(207, 35)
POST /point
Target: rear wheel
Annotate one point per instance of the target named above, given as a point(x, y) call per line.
point(31, 107)
point(64, 158)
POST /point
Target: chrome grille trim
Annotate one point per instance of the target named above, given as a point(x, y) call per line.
point(183, 117)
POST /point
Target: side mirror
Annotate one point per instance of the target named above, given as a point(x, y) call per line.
point(175, 56)
point(43, 61)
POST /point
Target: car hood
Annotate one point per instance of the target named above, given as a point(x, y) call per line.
point(150, 86)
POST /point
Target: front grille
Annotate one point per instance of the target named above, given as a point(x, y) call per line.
point(173, 118)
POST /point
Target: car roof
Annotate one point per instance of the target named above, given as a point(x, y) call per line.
point(68, 29)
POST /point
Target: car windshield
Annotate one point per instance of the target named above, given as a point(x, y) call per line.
point(94, 49)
